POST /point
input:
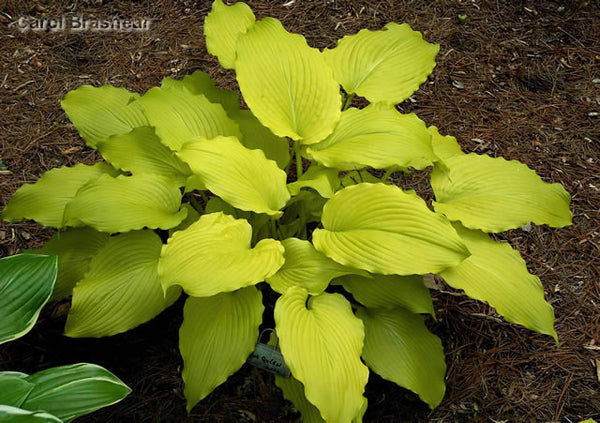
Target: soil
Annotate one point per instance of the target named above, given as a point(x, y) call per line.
point(518, 79)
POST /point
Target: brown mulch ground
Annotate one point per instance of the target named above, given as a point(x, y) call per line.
point(520, 79)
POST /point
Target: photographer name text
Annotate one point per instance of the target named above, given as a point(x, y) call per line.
point(81, 24)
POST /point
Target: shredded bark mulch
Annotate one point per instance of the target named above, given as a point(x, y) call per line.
point(518, 79)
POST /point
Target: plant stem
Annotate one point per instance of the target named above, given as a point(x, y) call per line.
point(347, 102)
point(298, 159)
point(387, 174)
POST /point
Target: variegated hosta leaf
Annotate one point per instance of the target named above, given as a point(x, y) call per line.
point(377, 136)
point(14, 388)
point(98, 113)
point(398, 347)
point(45, 200)
point(26, 283)
point(222, 27)
point(444, 146)
point(244, 178)
point(178, 116)
point(383, 66)
point(382, 229)
point(217, 336)
point(255, 135)
point(126, 203)
point(323, 180)
point(219, 245)
point(494, 195)
point(74, 248)
point(389, 291)
point(121, 290)
point(140, 151)
point(200, 83)
point(287, 84)
point(497, 274)
point(322, 342)
point(306, 267)
point(74, 390)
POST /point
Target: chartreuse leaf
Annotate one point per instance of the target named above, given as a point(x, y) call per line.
point(74, 390)
point(99, 113)
point(18, 415)
point(178, 116)
point(222, 27)
point(26, 283)
point(126, 203)
point(382, 229)
point(217, 336)
point(399, 348)
point(444, 146)
point(140, 151)
point(244, 178)
point(306, 267)
point(192, 216)
point(45, 200)
point(14, 388)
point(321, 342)
point(389, 291)
point(377, 136)
point(497, 274)
point(323, 180)
point(355, 177)
point(121, 290)
point(494, 195)
point(219, 245)
point(201, 83)
point(74, 248)
point(255, 135)
point(383, 66)
point(287, 84)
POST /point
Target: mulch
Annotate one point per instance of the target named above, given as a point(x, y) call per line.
point(518, 79)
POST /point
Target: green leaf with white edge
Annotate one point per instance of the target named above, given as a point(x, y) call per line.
point(382, 229)
point(126, 203)
point(494, 195)
point(99, 113)
point(497, 274)
point(383, 66)
point(256, 136)
point(321, 341)
point(141, 152)
point(219, 245)
point(222, 28)
point(26, 283)
point(217, 336)
point(74, 248)
point(377, 136)
point(74, 390)
point(322, 179)
point(306, 267)
point(444, 146)
point(201, 83)
point(399, 348)
point(18, 415)
point(389, 291)
point(14, 389)
point(45, 200)
point(121, 290)
point(244, 178)
point(287, 84)
point(178, 116)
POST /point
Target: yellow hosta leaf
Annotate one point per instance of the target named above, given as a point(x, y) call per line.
point(322, 342)
point(384, 66)
point(287, 84)
point(217, 336)
point(219, 245)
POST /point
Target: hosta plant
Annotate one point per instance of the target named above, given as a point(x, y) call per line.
point(273, 216)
